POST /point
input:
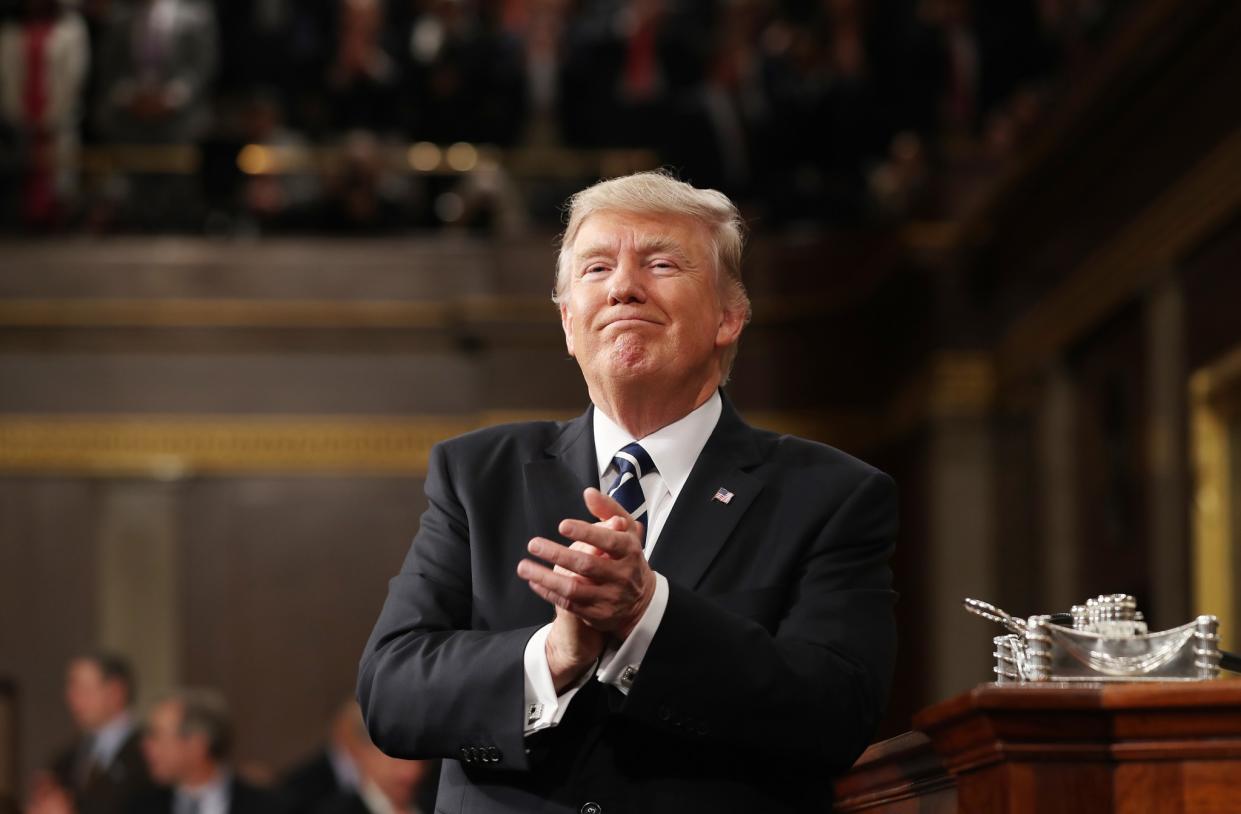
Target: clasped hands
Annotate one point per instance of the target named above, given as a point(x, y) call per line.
point(600, 585)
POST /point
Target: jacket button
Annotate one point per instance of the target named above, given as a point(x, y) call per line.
point(465, 754)
point(663, 713)
point(591, 808)
point(493, 754)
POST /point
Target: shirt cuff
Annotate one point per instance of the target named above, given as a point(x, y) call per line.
point(544, 708)
point(620, 667)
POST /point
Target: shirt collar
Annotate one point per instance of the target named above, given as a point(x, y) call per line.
point(110, 738)
point(212, 795)
point(343, 767)
point(674, 448)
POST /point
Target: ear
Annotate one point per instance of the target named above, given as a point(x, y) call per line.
point(566, 322)
point(732, 320)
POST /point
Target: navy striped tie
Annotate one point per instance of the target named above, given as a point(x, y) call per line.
point(632, 462)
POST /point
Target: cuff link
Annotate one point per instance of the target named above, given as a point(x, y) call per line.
point(627, 677)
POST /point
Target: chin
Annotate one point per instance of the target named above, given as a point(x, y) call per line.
point(630, 354)
point(630, 366)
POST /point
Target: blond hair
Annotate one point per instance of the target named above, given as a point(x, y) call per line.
point(660, 193)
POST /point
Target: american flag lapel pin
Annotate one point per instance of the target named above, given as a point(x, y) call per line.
point(722, 495)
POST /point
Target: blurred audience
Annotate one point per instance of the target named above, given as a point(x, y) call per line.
point(103, 771)
point(155, 67)
point(361, 192)
point(386, 785)
point(463, 77)
point(809, 112)
point(285, 44)
point(541, 27)
point(44, 57)
point(362, 79)
point(331, 771)
point(187, 747)
point(180, 761)
point(263, 200)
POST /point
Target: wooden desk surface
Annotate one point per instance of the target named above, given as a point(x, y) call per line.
point(1158, 748)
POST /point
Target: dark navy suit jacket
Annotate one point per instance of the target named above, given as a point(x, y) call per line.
point(768, 673)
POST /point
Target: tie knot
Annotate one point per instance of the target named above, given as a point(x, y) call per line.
point(633, 458)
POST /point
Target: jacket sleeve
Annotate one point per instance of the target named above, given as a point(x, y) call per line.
point(814, 690)
point(428, 685)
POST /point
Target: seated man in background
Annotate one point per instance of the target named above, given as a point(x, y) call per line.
point(330, 771)
point(187, 746)
point(385, 785)
point(103, 770)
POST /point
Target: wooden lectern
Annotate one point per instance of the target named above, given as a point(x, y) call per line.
point(1167, 748)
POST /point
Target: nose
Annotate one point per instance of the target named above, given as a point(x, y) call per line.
point(626, 284)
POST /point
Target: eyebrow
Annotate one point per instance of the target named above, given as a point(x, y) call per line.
point(654, 244)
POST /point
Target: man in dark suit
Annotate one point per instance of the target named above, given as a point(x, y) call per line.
point(331, 771)
point(349, 774)
point(385, 785)
point(741, 666)
point(103, 770)
point(187, 744)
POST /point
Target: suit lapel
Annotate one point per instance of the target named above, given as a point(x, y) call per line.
point(553, 485)
point(700, 525)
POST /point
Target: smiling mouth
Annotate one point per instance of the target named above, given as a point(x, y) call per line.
point(628, 320)
point(630, 323)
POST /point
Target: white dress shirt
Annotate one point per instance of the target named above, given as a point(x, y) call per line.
point(108, 741)
point(674, 450)
point(210, 798)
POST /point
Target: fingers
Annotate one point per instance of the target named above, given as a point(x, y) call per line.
point(565, 591)
point(589, 565)
point(549, 595)
point(602, 576)
point(586, 547)
point(616, 536)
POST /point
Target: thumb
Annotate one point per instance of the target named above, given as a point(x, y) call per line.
point(602, 506)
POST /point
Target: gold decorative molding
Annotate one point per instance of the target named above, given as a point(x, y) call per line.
point(1214, 429)
point(164, 159)
point(170, 447)
point(1175, 223)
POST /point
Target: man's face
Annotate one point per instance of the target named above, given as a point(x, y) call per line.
point(642, 301)
point(93, 699)
point(167, 751)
